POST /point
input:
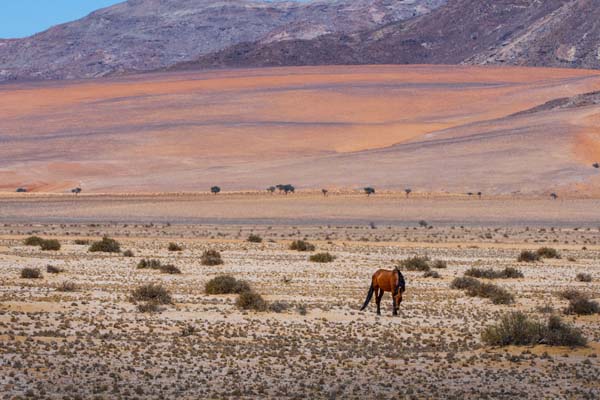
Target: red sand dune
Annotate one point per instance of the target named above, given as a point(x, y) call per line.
point(433, 128)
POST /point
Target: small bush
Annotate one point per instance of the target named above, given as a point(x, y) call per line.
point(302, 245)
point(251, 301)
point(278, 306)
point(169, 269)
point(582, 277)
point(226, 284)
point(322, 258)
point(571, 294)
point(154, 293)
point(188, 330)
point(83, 242)
point(489, 273)
point(528, 256)
point(33, 241)
point(547, 252)
point(496, 294)
point(463, 283)
point(302, 309)
point(431, 274)
point(439, 264)
point(50, 245)
point(517, 329)
point(174, 247)
point(152, 264)
point(211, 257)
point(51, 269)
point(67, 287)
point(128, 253)
point(31, 273)
point(149, 307)
point(254, 238)
point(106, 245)
point(415, 263)
point(582, 306)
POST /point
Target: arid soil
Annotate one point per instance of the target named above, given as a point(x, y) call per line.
point(430, 128)
point(94, 343)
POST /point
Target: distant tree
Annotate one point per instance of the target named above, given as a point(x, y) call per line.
point(324, 191)
point(215, 189)
point(369, 191)
point(271, 189)
point(21, 190)
point(596, 165)
point(279, 187)
point(470, 194)
point(479, 194)
point(288, 189)
point(76, 191)
point(554, 196)
point(408, 191)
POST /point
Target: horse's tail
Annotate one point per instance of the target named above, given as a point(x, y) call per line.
point(369, 297)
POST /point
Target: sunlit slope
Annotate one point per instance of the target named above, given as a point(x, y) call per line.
point(431, 128)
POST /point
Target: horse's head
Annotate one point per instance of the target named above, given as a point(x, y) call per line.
point(401, 288)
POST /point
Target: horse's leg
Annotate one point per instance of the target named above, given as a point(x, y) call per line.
point(379, 296)
point(394, 308)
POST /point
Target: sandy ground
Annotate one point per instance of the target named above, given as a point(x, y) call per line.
point(432, 128)
point(93, 343)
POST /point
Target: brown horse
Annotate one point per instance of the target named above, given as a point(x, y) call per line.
point(383, 281)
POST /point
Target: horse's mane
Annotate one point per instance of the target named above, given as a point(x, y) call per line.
point(401, 282)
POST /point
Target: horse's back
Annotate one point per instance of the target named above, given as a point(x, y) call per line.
point(384, 279)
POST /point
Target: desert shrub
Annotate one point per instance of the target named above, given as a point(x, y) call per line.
point(431, 274)
point(528, 256)
point(174, 247)
point(31, 273)
point(302, 309)
point(50, 244)
point(152, 264)
point(489, 273)
point(464, 282)
point(517, 329)
point(154, 293)
point(51, 269)
point(582, 277)
point(33, 241)
point(251, 301)
point(169, 269)
point(415, 263)
point(254, 238)
point(279, 306)
point(188, 330)
point(211, 257)
point(149, 307)
point(571, 294)
point(582, 306)
point(128, 253)
point(322, 258)
point(496, 294)
point(547, 252)
point(84, 242)
point(439, 264)
point(106, 245)
point(302, 245)
point(226, 284)
point(67, 287)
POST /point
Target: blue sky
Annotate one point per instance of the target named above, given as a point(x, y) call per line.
point(20, 18)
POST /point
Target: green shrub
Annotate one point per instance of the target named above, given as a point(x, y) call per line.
point(322, 258)
point(169, 269)
point(517, 329)
point(302, 245)
point(31, 273)
point(489, 273)
point(547, 252)
point(415, 263)
point(582, 277)
point(254, 238)
point(33, 241)
point(67, 287)
point(152, 264)
point(106, 245)
point(50, 244)
point(251, 301)
point(226, 284)
point(431, 274)
point(154, 293)
point(211, 257)
point(528, 256)
point(582, 306)
point(128, 253)
point(174, 247)
point(51, 269)
point(439, 264)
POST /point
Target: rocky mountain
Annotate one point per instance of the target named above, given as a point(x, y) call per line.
point(552, 33)
point(142, 35)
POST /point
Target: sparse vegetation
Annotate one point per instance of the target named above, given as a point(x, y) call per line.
point(322, 258)
point(106, 245)
point(50, 245)
point(51, 269)
point(152, 264)
point(83, 242)
point(582, 306)
point(517, 329)
point(463, 283)
point(278, 306)
point(33, 241)
point(128, 253)
point(439, 264)
point(431, 274)
point(528, 256)
point(250, 300)
point(174, 247)
point(302, 245)
point(226, 284)
point(169, 269)
point(489, 273)
point(548, 252)
point(67, 286)
point(152, 293)
point(211, 257)
point(31, 273)
point(571, 294)
point(415, 263)
point(583, 277)
point(252, 238)
point(476, 288)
